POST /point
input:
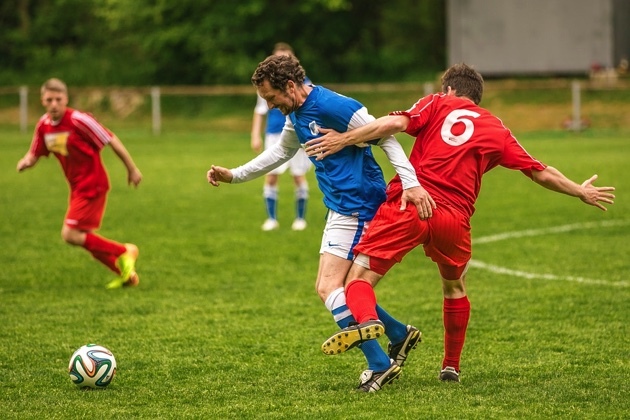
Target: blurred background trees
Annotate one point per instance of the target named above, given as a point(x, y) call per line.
point(206, 42)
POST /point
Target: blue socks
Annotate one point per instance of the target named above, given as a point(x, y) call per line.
point(271, 201)
point(394, 329)
point(376, 357)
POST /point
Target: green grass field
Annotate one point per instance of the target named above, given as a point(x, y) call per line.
point(226, 322)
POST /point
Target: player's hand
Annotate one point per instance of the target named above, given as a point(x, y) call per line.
point(26, 162)
point(257, 144)
point(331, 142)
point(419, 197)
point(594, 196)
point(22, 164)
point(134, 177)
point(218, 174)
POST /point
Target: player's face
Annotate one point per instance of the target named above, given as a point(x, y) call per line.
point(55, 103)
point(284, 100)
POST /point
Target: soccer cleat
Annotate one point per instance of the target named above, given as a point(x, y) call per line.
point(371, 381)
point(400, 351)
point(126, 263)
point(270, 224)
point(298, 224)
point(353, 335)
point(133, 280)
point(449, 374)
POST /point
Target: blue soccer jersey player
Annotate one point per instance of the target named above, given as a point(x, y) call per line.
point(273, 121)
point(353, 187)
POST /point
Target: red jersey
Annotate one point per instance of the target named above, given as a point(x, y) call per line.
point(456, 143)
point(76, 140)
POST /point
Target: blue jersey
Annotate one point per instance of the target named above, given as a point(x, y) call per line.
point(351, 180)
point(275, 121)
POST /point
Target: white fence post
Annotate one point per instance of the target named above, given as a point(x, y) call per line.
point(156, 110)
point(23, 108)
point(576, 124)
point(428, 88)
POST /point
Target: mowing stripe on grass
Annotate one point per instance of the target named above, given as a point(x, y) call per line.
point(535, 232)
point(544, 231)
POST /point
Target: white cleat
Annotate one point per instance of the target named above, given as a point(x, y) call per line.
point(270, 224)
point(299, 224)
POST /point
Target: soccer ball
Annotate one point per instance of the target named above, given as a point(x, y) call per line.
point(92, 366)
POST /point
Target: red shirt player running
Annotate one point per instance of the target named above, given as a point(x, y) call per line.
point(456, 143)
point(76, 140)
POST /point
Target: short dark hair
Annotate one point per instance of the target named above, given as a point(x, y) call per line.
point(282, 47)
point(465, 80)
point(278, 70)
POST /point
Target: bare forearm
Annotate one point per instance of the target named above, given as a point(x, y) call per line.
point(554, 180)
point(122, 153)
point(257, 124)
point(134, 176)
point(377, 129)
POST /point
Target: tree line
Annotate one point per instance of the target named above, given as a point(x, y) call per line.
point(209, 42)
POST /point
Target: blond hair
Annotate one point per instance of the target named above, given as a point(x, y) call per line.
point(55, 85)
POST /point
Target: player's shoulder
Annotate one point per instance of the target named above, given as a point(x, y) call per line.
point(82, 118)
point(76, 114)
point(44, 119)
point(333, 99)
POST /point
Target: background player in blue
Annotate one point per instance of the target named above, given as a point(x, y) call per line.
point(353, 188)
point(298, 166)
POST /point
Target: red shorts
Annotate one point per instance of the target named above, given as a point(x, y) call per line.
point(85, 213)
point(393, 233)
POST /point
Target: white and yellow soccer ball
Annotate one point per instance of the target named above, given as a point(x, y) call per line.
point(92, 366)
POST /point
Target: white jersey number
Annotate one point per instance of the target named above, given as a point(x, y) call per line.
point(458, 116)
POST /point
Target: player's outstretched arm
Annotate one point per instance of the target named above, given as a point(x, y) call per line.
point(553, 179)
point(218, 174)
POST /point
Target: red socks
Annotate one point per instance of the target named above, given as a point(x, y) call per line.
point(361, 300)
point(104, 250)
point(456, 314)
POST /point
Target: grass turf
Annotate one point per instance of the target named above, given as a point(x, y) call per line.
point(226, 322)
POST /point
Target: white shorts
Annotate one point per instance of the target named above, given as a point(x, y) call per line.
point(298, 165)
point(341, 234)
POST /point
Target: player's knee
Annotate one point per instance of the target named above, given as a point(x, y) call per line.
point(325, 288)
point(271, 180)
point(453, 289)
point(70, 236)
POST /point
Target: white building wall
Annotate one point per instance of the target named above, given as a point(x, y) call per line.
point(531, 36)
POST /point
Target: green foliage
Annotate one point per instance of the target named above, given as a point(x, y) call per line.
point(213, 41)
point(226, 322)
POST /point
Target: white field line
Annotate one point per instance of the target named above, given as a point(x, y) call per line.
point(544, 231)
point(536, 232)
